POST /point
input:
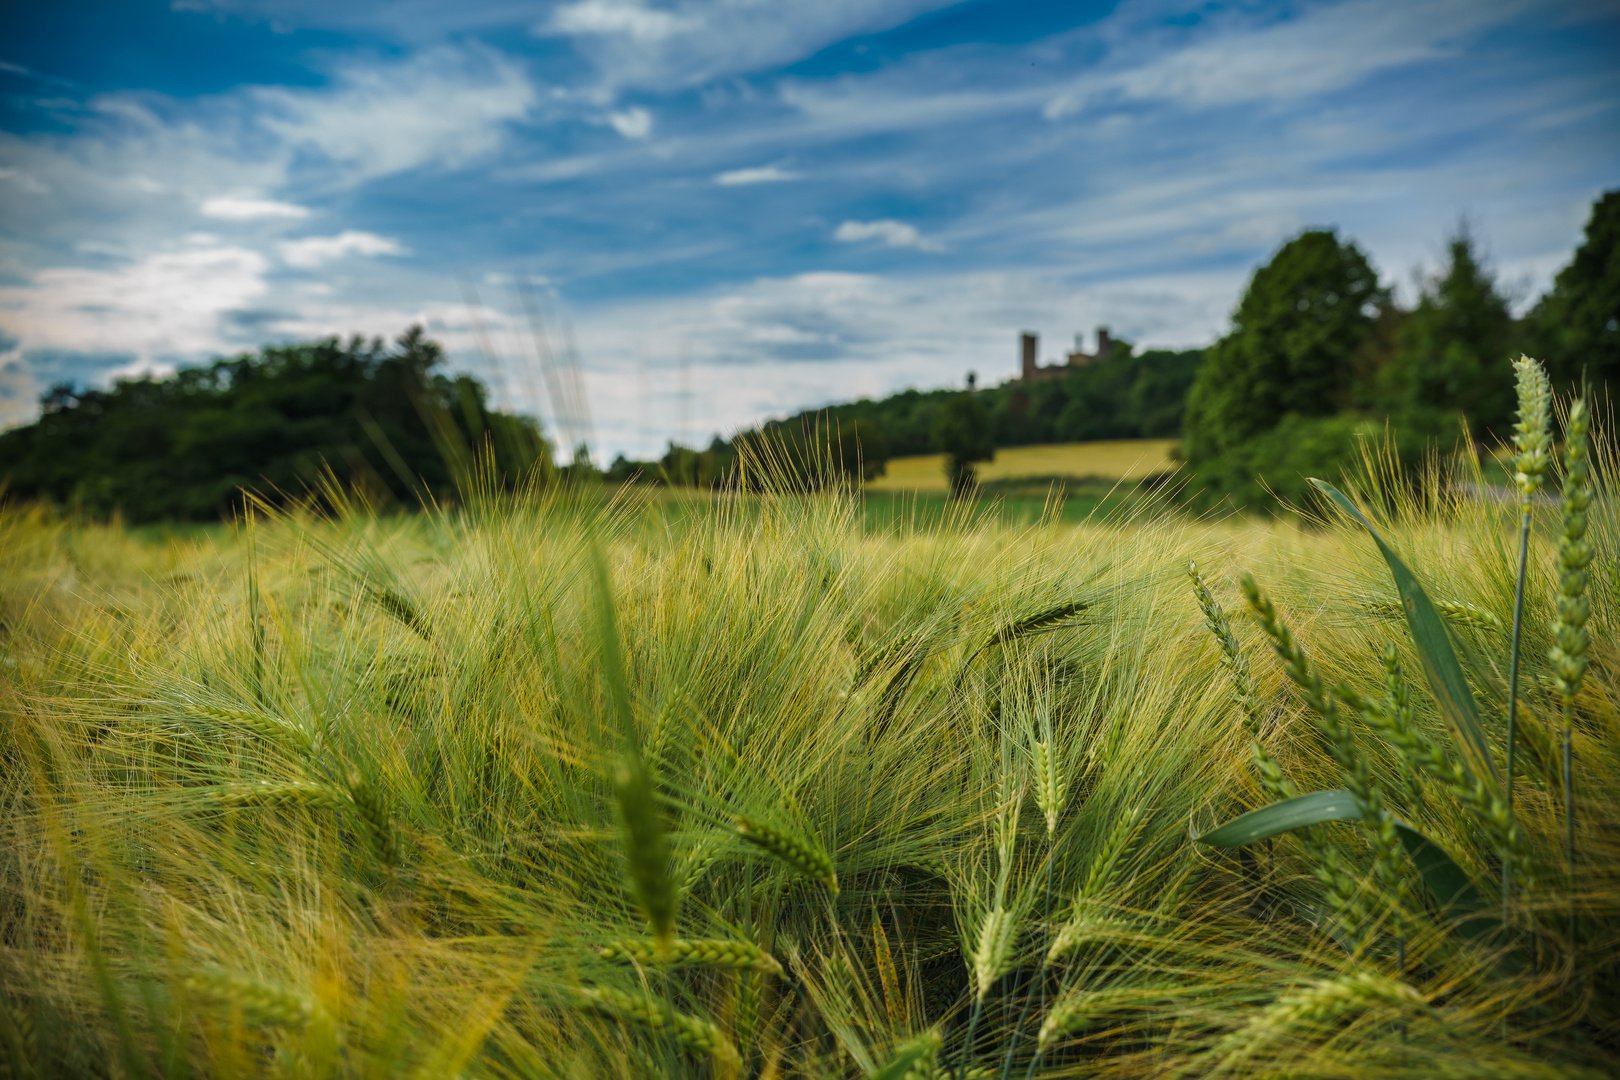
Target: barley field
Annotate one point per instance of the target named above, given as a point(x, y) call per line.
point(552, 786)
point(1120, 459)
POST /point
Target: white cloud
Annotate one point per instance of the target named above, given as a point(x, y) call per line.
point(633, 123)
point(233, 208)
point(1321, 50)
point(639, 23)
point(164, 305)
point(689, 42)
point(444, 107)
point(24, 181)
point(896, 234)
point(763, 174)
point(312, 251)
point(777, 345)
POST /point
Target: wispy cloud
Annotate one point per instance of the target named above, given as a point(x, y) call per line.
point(313, 251)
point(233, 208)
point(1316, 50)
point(632, 123)
point(446, 107)
point(896, 234)
point(159, 308)
point(636, 21)
point(761, 174)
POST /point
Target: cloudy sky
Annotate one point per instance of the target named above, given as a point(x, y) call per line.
point(727, 209)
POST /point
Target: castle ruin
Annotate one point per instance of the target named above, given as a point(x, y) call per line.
point(1033, 371)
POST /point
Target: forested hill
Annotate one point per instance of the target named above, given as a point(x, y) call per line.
point(1125, 396)
point(383, 418)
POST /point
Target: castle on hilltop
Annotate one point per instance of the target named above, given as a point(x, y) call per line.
point(1033, 372)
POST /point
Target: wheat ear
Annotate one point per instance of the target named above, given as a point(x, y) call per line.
point(800, 855)
point(1570, 639)
point(1277, 785)
point(692, 1032)
point(718, 953)
point(261, 1003)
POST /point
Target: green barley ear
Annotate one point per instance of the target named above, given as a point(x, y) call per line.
point(1531, 436)
point(1532, 441)
point(375, 812)
point(1102, 877)
point(692, 1032)
point(288, 793)
point(1568, 654)
point(261, 1003)
point(1051, 785)
point(738, 955)
point(912, 1060)
point(996, 935)
point(800, 855)
point(1318, 1007)
point(19, 1035)
point(1277, 785)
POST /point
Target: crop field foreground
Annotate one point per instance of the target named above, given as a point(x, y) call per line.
point(544, 787)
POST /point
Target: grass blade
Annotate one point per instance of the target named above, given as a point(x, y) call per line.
point(1453, 890)
point(1440, 664)
point(1285, 816)
point(906, 1058)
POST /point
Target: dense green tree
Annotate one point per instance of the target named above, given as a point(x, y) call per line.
point(1452, 351)
point(963, 432)
point(1575, 328)
point(182, 448)
point(1291, 350)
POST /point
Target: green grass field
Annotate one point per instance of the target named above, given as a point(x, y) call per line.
point(1122, 459)
point(758, 786)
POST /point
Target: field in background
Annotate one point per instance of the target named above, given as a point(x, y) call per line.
point(1120, 459)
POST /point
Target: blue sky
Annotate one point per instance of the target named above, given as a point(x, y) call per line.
point(730, 209)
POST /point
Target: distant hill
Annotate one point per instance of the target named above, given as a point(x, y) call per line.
point(1121, 396)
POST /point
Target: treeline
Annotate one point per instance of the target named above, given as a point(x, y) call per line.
point(385, 420)
point(1320, 356)
point(1122, 396)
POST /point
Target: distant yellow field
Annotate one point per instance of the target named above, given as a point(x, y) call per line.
point(1121, 459)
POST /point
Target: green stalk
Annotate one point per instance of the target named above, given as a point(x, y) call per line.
point(967, 1039)
point(1532, 440)
point(1046, 920)
point(1513, 691)
point(1570, 638)
point(1569, 814)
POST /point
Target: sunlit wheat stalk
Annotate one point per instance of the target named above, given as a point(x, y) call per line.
point(1568, 654)
point(1531, 439)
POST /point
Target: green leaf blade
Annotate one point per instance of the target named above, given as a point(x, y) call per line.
point(1440, 666)
point(1299, 812)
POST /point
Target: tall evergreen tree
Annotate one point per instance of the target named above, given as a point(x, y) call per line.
point(1452, 351)
point(1575, 328)
point(1291, 349)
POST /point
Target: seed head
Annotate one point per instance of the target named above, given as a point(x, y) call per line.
point(1051, 785)
point(801, 855)
point(692, 1032)
point(995, 949)
point(1568, 654)
point(743, 955)
point(1531, 438)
